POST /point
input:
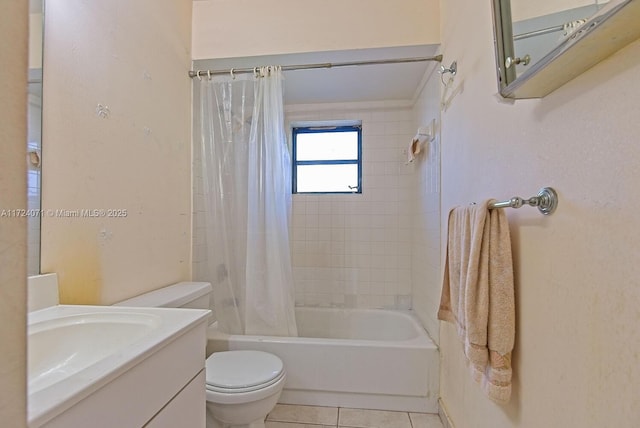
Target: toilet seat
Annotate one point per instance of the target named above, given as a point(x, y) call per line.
point(214, 388)
point(234, 372)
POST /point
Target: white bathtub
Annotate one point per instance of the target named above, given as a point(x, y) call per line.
point(362, 358)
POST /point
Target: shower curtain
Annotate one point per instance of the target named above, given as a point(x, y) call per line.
point(246, 184)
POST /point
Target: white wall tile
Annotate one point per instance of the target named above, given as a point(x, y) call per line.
point(424, 231)
point(363, 233)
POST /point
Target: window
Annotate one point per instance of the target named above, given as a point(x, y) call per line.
point(327, 159)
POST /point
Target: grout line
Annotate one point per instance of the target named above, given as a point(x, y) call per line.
point(319, 424)
point(301, 423)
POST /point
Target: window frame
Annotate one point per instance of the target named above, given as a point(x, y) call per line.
point(296, 130)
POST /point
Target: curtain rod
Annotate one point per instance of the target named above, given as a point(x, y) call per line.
point(245, 70)
point(540, 32)
point(548, 30)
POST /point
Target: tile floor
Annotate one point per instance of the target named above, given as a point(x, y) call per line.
point(290, 416)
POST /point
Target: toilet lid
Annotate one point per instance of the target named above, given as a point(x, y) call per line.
point(241, 369)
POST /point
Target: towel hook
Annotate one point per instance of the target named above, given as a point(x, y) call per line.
point(452, 69)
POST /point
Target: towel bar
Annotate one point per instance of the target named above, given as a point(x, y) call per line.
point(546, 201)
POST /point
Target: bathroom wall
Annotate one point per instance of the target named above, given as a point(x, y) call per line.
point(577, 355)
point(35, 38)
point(425, 211)
point(117, 124)
point(354, 250)
point(13, 196)
point(291, 26)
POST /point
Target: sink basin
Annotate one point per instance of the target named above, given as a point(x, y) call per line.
point(61, 347)
point(74, 351)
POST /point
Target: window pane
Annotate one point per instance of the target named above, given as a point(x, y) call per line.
point(327, 146)
point(327, 178)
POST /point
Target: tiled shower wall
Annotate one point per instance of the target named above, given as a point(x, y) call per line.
point(426, 277)
point(354, 250)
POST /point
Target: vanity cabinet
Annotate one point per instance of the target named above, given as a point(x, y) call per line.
point(186, 409)
point(164, 388)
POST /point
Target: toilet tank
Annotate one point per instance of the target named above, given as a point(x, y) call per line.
point(192, 295)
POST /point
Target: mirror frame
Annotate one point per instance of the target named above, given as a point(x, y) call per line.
point(609, 30)
point(503, 41)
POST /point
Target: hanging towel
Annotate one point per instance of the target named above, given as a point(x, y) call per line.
point(478, 294)
point(413, 150)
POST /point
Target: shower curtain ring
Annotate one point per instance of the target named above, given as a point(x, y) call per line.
point(255, 72)
point(198, 75)
point(209, 74)
point(232, 75)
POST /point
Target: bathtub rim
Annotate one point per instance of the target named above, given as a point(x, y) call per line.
point(422, 341)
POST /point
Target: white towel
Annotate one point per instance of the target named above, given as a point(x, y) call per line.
point(415, 147)
point(478, 294)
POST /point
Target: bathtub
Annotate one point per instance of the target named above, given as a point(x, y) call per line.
point(361, 358)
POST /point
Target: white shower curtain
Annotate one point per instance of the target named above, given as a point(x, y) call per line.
point(246, 184)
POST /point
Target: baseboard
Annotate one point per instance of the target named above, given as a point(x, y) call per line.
point(359, 401)
point(444, 415)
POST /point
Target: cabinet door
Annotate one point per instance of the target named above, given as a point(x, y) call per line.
point(187, 409)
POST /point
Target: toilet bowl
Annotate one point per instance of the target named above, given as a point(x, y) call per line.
point(242, 387)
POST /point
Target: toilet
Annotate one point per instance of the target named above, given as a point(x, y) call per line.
point(242, 387)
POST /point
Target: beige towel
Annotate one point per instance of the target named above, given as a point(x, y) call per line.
point(478, 294)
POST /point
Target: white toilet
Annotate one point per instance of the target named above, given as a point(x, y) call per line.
point(242, 387)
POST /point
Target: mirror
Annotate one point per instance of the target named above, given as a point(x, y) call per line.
point(537, 29)
point(542, 45)
point(34, 136)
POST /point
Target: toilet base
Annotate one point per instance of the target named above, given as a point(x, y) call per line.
point(242, 410)
point(214, 423)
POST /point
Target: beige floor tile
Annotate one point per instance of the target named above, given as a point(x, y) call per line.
point(304, 414)
point(425, 420)
point(273, 424)
point(373, 419)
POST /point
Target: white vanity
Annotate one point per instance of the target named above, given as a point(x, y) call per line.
point(106, 366)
